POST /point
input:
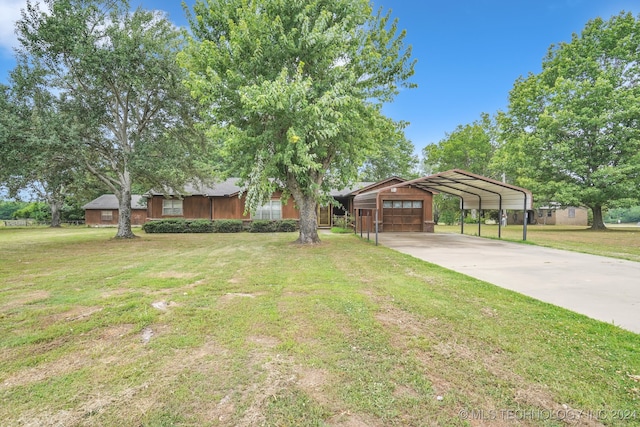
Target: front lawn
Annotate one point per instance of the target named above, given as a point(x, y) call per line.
point(249, 329)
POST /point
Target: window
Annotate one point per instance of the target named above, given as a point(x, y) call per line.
point(549, 213)
point(572, 212)
point(402, 204)
point(106, 215)
point(171, 207)
point(271, 210)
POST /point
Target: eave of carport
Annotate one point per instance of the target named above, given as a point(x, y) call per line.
point(474, 191)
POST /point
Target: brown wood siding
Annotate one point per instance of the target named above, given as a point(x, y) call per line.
point(196, 207)
point(94, 217)
point(223, 208)
point(228, 208)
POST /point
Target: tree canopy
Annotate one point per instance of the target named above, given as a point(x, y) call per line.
point(572, 132)
point(117, 86)
point(470, 147)
point(293, 91)
point(392, 157)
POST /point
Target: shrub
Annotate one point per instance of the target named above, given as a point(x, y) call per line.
point(263, 226)
point(287, 225)
point(200, 226)
point(178, 225)
point(227, 226)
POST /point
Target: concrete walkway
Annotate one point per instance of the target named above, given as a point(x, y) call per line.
point(603, 288)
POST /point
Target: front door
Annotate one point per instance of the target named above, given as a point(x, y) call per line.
point(324, 216)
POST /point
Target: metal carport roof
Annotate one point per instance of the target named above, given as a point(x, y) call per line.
point(474, 191)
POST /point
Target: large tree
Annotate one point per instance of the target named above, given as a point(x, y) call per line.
point(572, 132)
point(293, 91)
point(392, 157)
point(35, 156)
point(114, 74)
point(470, 147)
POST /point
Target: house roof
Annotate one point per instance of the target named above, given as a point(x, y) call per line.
point(110, 201)
point(229, 187)
point(475, 191)
point(363, 187)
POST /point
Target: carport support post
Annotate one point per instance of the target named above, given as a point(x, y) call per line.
point(461, 220)
point(368, 224)
point(376, 226)
point(479, 214)
point(525, 219)
point(500, 213)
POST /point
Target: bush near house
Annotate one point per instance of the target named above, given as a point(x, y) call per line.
point(227, 226)
point(272, 226)
point(179, 225)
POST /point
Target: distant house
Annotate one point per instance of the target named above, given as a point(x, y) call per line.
point(550, 215)
point(553, 215)
point(103, 211)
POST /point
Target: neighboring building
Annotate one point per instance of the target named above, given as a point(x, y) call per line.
point(103, 211)
point(549, 215)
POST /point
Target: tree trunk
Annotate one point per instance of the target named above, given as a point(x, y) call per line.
point(598, 223)
point(56, 204)
point(124, 215)
point(308, 221)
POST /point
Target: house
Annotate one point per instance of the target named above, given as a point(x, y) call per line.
point(407, 210)
point(222, 200)
point(555, 215)
point(103, 211)
point(552, 215)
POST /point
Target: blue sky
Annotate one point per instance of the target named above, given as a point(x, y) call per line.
point(469, 52)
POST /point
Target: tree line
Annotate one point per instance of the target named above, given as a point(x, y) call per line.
point(281, 94)
point(288, 95)
point(571, 133)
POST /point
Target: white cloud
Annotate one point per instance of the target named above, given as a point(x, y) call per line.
point(9, 14)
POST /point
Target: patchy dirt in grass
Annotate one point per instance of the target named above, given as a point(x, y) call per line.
point(46, 370)
point(173, 275)
point(347, 419)
point(223, 299)
point(452, 380)
point(24, 299)
point(164, 305)
point(79, 313)
point(266, 341)
point(313, 381)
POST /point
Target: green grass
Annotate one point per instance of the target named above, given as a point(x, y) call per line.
point(254, 330)
point(615, 242)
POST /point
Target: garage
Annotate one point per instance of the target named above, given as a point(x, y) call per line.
point(392, 208)
point(402, 215)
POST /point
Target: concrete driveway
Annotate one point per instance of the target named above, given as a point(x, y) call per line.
point(603, 288)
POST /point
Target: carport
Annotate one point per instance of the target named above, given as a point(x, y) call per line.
point(475, 192)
